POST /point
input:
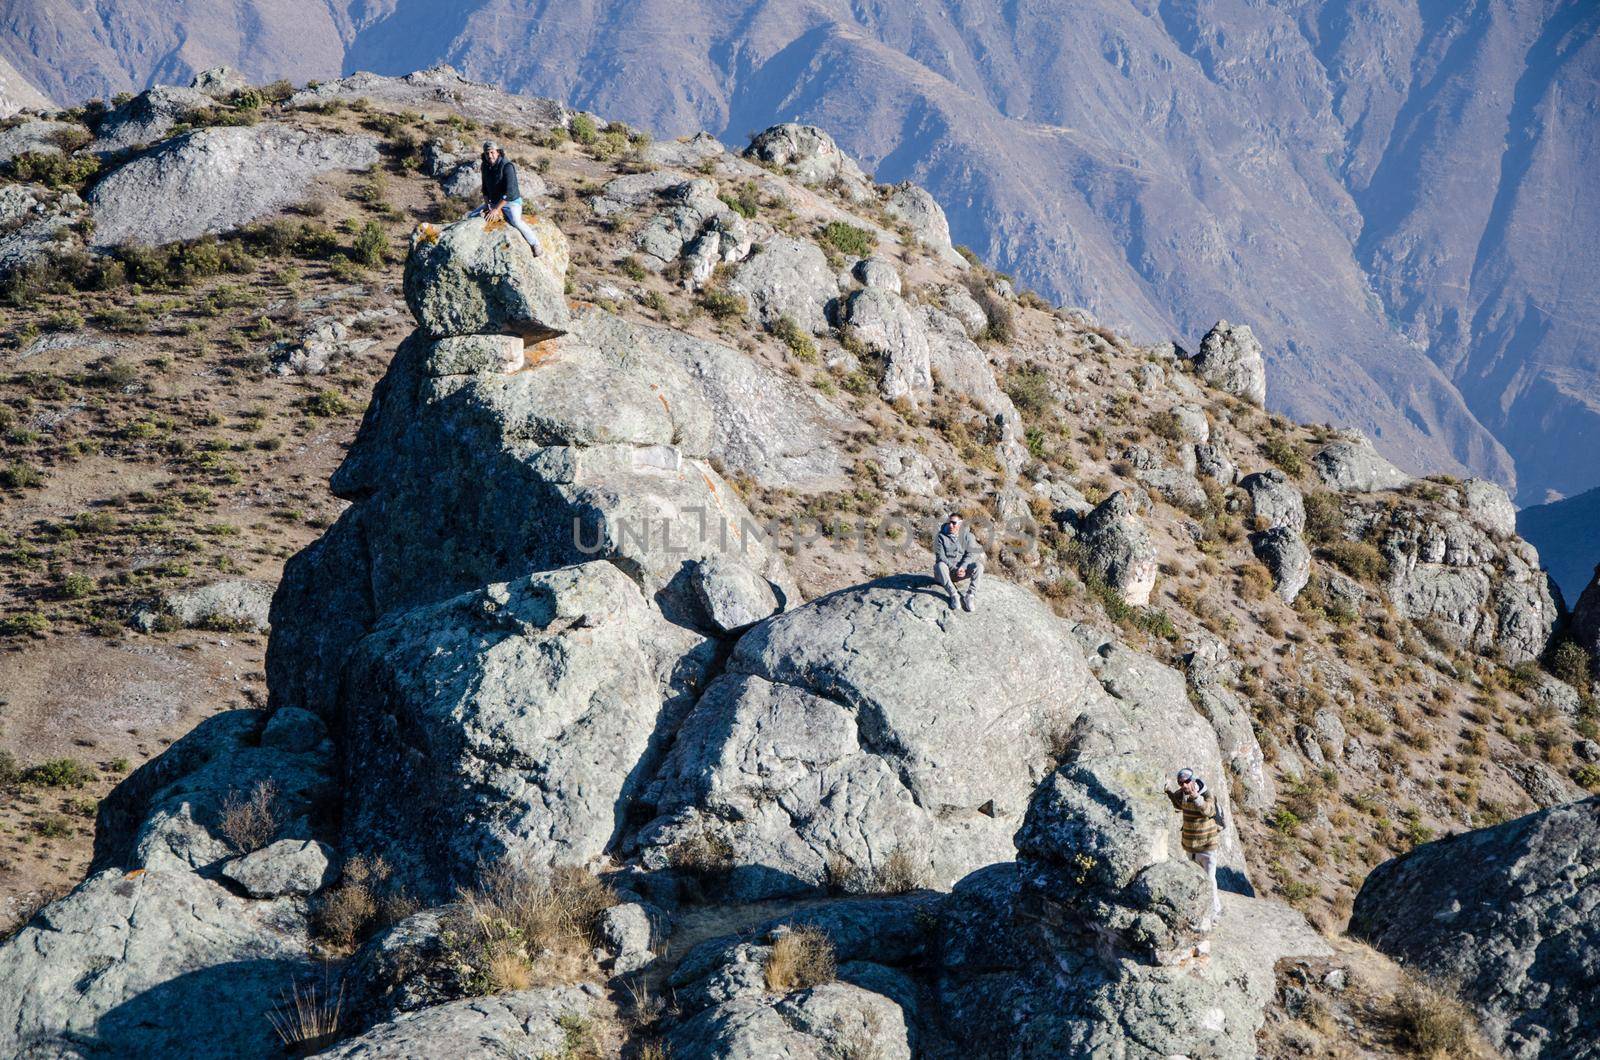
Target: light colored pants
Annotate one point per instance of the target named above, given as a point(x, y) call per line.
point(973, 571)
point(512, 212)
point(1207, 859)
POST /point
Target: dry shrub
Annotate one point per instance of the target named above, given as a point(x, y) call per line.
point(518, 928)
point(704, 855)
point(1433, 1024)
point(1255, 582)
point(250, 823)
point(363, 901)
point(899, 874)
point(308, 1019)
point(802, 957)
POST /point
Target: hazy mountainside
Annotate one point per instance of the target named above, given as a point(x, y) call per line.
point(1394, 192)
point(1565, 534)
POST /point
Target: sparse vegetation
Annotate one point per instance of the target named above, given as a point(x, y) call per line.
point(250, 822)
point(1434, 1025)
point(848, 239)
point(801, 958)
point(517, 928)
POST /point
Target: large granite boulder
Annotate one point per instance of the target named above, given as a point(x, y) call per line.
point(514, 722)
point(478, 276)
point(919, 211)
point(214, 180)
point(1287, 557)
point(872, 723)
point(1350, 463)
point(1483, 591)
point(35, 224)
point(148, 117)
point(1230, 360)
point(809, 155)
point(40, 136)
point(525, 1023)
point(889, 327)
point(1511, 916)
point(788, 278)
point(1117, 548)
point(149, 963)
point(603, 448)
point(232, 604)
point(1274, 500)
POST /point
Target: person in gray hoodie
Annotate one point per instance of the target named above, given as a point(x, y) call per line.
point(957, 557)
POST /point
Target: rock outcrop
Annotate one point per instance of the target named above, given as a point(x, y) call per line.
point(1511, 914)
point(1230, 360)
point(811, 157)
point(217, 179)
point(788, 278)
point(1287, 557)
point(1117, 548)
point(874, 723)
point(478, 277)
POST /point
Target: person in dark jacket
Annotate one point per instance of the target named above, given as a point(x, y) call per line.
point(957, 557)
point(502, 194)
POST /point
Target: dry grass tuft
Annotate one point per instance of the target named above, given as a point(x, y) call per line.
point(801, 958)
point(251, 823)
point(518, 928)
point(308, 1019)
point(1434, 1025)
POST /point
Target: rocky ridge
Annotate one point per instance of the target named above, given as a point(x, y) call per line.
point(524, 593)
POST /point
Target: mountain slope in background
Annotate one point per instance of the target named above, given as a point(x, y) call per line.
point(1394, 193)
point(1566, 535)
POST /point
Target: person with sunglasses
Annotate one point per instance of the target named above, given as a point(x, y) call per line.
point(957, 557)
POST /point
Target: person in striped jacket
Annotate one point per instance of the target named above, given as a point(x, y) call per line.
point(1202, 834)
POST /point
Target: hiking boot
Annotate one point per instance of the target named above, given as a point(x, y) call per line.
point(966, 603)
point(952, 601)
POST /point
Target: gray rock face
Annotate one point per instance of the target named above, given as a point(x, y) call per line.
point(217, 179)
point(1486, 504)
point(1352, 464)
point(287, 867)
point(732, 595)
point(1287, 557)
point(601, 449)
point(1230, 360)
point(811, 157)
point(478, 278)
point(1485, 593)
point(33, 223)
point(38, 136)
point(1512, 914)
point(887, 325)
point(134, 964)
point(1275, 500)
point(427, 89)
point(631, 932)
point(865, 723)
point(1117, 548)
point(921, 212)
point(517, 738)
point(148, 117)
point(324, 344)
point(528, 1023)
point(1211, 673)
point(1212, 462)
point(875, 272)
point(168, 814)
point(788, 277)
point(234, 604)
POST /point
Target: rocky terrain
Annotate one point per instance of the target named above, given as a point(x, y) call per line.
point(1374, 186)
point(607, 706)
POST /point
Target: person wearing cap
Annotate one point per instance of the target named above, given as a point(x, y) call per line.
point(502, 194)
point(957, 557)
point(1202, 834)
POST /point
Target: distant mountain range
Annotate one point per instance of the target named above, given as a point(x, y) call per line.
point(1398, 195)
point(1567, 535)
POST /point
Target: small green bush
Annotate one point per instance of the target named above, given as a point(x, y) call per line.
point(724, 305)
point(1324, 517)
point(1284, 453)
point(325, 403)
point(1029, 389)
point(53, 169)
point(77, 586)
point(792, 335)
point(20, 476)
point(59, 773)
point(27, 624)
point(1358, 559)
point(582, 129)
point(371, 246)
point(848, 239)
point(52, 826)
point(1164, 424)
point(745, 200)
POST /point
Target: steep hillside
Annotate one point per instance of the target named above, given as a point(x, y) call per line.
point(1565, 533)
point(534, 622)
point(1393, 193)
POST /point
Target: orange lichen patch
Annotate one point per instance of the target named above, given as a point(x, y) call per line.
point(578, 303)
point(134, 874)
point(536, 353)
point(711, 487)
point(427, 233)
point(492, 223)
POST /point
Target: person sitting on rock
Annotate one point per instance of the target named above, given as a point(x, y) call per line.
point(1202, 834)
point(502, 194)
point(957, 557)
